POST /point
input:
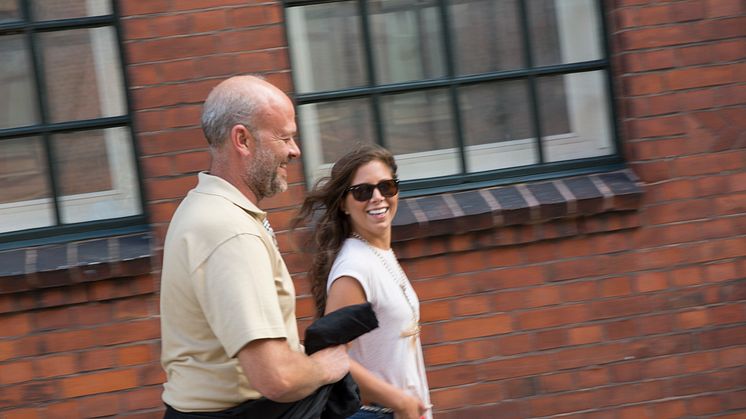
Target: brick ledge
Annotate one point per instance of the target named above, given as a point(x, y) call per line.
point(74, 262)
point(518, 204)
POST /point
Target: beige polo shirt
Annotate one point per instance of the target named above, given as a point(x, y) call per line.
point(223, 285)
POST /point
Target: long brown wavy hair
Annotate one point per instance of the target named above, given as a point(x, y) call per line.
point(330, 226)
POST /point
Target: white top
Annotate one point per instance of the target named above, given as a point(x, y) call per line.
point(396, 359)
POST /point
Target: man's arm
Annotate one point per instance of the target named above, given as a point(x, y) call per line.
point(283, 375)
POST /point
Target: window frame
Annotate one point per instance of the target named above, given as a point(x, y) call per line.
point(451, 81)
point(43, 129)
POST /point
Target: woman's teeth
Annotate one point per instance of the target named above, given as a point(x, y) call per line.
point(378, 211)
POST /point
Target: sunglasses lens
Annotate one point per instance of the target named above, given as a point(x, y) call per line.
point(362, 192)
point(388, 188)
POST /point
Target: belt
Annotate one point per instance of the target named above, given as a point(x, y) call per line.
point(376, 409)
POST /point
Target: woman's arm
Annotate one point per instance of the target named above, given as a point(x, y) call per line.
point(347, 291)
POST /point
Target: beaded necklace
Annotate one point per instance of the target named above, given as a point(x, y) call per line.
point(400, 278)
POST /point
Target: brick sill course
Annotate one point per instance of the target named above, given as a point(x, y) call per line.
point(75, 262)
point(517, 205)
point(506, 207)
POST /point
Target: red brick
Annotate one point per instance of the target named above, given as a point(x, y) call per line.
point(25, 413)
point(170, 188)
point(662, 367)
point(16, 372)
point(163, 49)
point(516, 367)
point(441, 354)
point(634, 412)
point(615, 287)
point(658, 127)
point(592, 377)
point(670, 409)
point(550, 339)
point(704, 405)
point(621, 329)
point(693, 319)
point(471, 305)
point(514, 344)
point(141, 398)
point(136, 7)
point(451, 376)
point(99, 405)
point(15, 324)
point(191, 162)
point(210, 20)
point(579, 291)
point(476, 327)
point(543, 296)
point(431, 311)
point(732, 357)
point(644, 84)
point(55, 365)
point(655, 324)
point(550, 317)
point(98, 383)
point(716, 8)
point(698, 362)
point(556, 382)
point(97, 359)
point(585, 334)
point(656, 37)
point(651, 281)
point(653, 15)
point(63, 410)
point(564, 403)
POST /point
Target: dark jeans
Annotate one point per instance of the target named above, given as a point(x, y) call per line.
point(361, 414)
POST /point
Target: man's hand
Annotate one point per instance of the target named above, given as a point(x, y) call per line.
point(334, 361)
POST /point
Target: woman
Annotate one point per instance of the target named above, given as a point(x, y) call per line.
point(353, 264)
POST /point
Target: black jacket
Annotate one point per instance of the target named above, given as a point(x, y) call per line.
point(333, 401)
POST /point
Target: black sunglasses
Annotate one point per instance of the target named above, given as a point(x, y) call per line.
point(364, 191)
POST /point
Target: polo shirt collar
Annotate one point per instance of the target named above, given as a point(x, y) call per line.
point(214, 185)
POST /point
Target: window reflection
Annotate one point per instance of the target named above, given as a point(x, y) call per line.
point(326, 39)
point(79, 78)
point(16, 84)
point(407, 40)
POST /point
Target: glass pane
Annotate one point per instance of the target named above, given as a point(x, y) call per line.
point(487, 36)
point(9, 10)
point(96, 175)
point(407, 40)
point(83, 74)
point(326, 46)
point(564, 31)
point(575, 116)
point(16, 82)
point(419, 130)
point(63, 9)
point(25, 195)
point(498, 131)
point(329, 130)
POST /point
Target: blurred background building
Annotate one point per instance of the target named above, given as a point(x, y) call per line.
point(573, 213)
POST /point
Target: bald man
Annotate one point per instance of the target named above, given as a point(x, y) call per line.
point(229, 332)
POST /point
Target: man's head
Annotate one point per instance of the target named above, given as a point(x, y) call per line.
point(250, 126)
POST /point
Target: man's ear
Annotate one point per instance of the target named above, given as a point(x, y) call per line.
point(241, 140)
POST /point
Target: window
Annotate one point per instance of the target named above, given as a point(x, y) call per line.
point(67, 163)
point(461, 91)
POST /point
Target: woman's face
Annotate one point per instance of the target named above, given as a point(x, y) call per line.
point(372, 218)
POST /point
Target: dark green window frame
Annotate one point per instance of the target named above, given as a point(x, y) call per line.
point(530, 73)
point(31, 29)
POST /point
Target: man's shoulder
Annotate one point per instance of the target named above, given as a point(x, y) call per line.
point(212, 218)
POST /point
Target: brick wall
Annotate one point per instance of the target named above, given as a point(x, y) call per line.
point(630, 314)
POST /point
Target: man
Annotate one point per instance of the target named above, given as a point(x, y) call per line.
point(229, 332)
